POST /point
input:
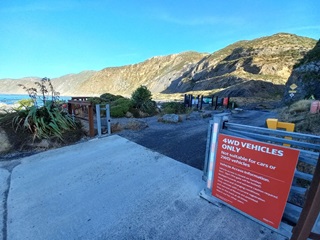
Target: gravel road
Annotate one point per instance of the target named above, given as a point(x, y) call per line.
point(186, 141)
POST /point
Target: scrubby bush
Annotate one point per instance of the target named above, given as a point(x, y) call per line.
point(117, 111)
point(141, 100)
point(173, 107)
point(149, 107)
point(24, 103)
point(141, 96)
point(96, 100)
point(120, 107)
point(108, 97)
point(140, 104)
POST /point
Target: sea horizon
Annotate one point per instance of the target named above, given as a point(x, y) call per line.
point(11, 99)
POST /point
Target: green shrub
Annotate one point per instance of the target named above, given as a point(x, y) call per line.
point(141, 99)
point(44, 122)
point(117, 111)
point(120, 107)
point(173, 107)
point(24, 103)
point(48, 120)
point(96, 100)
point(140, 96)
point(149, 107)
point(125, 102)
point(108, 97)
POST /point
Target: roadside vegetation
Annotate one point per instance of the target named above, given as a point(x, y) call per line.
point(42, 117)
point(139, 105)
point(173, 108)
point(299, 114)
point(39, 118)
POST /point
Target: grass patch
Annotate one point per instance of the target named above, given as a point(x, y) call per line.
point(299, 114)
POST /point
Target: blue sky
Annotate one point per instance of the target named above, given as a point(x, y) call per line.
point(47, 38)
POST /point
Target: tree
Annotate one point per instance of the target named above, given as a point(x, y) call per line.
point(140, 96)
point(142, 99)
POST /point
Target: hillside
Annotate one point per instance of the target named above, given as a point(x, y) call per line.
point(268, 61)
point(10, 86)
point(256, 68)
point(66, 85)
point(245, 68)
point(304, 81)
point(156, 73)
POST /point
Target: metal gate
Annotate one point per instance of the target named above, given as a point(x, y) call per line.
point(298, 222)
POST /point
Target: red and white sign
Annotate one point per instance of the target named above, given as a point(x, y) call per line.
point(254, 177)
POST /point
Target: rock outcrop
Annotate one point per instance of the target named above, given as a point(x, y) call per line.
point(248, 68)
point(304, 81)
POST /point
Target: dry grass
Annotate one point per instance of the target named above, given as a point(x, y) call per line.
point(299, 114)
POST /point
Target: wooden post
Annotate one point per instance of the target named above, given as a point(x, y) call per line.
point(201, 100)
point(310, 210)
point(70, 108)
point(198, 99)
point(91, 123)
point(228, 101)
point(216, 103)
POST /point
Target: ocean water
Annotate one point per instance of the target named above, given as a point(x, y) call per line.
point(10, 99)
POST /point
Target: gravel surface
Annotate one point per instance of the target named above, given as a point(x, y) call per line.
point(186, 141)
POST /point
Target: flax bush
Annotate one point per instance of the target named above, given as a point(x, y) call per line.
point(47, 120)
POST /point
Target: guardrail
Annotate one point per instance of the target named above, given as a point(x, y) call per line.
point(298, 222)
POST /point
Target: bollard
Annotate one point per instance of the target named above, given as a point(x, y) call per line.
point(273, 123)
point(108, 118)
point(98, 119)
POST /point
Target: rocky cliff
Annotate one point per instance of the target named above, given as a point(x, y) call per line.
point(248, 68)
point(304, 81)
point(257, 68)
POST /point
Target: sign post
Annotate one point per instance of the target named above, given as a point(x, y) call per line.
point(254, 177)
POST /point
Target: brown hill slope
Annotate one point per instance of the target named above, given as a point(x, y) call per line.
point(66, 85)
point(156, 73)
point(248, 68)
point(258, 68)
point(10, 86)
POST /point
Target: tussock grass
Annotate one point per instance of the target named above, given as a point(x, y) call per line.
point(299, 114)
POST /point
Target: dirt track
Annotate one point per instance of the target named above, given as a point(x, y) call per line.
point(186, 141)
